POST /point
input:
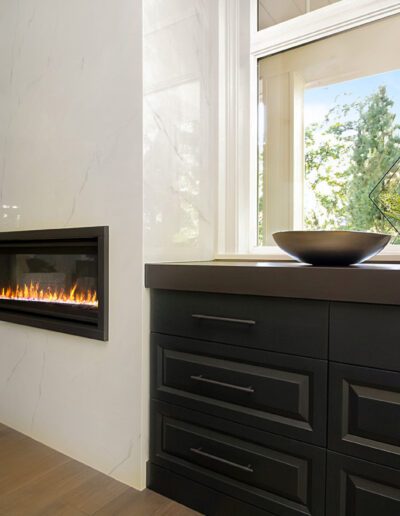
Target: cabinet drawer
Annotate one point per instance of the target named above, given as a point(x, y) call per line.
point(197, 496)
point(287, 325)
point(365, 335)
point(271, 391)
point(279, 475)
point(365, 413)
point(359, 488)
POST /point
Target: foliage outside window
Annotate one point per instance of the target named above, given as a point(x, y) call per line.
point(345, 156)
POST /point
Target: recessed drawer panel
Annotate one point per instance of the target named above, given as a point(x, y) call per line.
point(270, 391)
point(365, 413)
point(286, 325)
point(359, 488)
point(279, 475)
point(365, 335)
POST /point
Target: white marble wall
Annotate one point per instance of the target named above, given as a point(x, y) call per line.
point(71, 155)
point(180, 129)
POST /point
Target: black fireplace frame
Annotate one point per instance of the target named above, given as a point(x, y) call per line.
point(97, 236)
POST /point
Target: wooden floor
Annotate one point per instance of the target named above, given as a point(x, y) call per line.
point(36, 480)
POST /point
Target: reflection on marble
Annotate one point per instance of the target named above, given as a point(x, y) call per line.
point(180, 129)
point(71, 155)
point(10, 217)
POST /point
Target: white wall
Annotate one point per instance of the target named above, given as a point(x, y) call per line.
point(180, 129)
point(71, 155)
point(180, 126)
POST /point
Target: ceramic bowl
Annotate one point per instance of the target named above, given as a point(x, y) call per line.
point(331, 247)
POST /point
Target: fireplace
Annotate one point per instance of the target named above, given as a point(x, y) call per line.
point(56, 279)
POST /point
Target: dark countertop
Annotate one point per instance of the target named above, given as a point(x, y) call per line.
point(370, 283)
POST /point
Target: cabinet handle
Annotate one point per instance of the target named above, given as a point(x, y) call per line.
point(199, 451)
point(249, 322)
point(200, 378)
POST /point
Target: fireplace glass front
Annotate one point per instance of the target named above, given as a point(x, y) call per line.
point(60, 280)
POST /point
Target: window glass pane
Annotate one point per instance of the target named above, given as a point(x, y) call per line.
point(351, 139)
point(271, 12)
point(329, 129)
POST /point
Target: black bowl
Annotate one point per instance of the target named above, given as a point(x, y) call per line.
point(331, 247)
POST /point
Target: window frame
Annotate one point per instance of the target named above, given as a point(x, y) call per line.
point(240, 47)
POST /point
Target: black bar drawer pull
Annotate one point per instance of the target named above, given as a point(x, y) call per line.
point(200, 378)
point(199, 451)
point(224, 319)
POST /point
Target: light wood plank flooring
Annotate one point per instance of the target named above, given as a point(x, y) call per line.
point(38, 481)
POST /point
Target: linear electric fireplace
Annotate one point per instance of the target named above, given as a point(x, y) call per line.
point(56, 279)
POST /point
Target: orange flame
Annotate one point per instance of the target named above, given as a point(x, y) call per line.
point(33, 292)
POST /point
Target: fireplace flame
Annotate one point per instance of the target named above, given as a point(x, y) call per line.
point(34, 292)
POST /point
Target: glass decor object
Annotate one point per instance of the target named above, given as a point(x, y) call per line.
point(386, 196)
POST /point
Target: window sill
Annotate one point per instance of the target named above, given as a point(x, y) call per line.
point(273, 254)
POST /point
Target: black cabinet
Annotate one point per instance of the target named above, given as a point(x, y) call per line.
point(364, 413)
point(241, 409)
point(365, 335)
point(271, 391)
point(204, 499)
point(359, 488)
point(282, 476)
point(292, 326)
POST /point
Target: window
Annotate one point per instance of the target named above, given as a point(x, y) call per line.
point(276, 83)
point(328, 130)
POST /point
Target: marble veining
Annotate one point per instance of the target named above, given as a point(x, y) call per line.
point(71, 155)
point(180, 98)
point(125, 459)
point(71, 148)
point(17, 364)
point(40, 390)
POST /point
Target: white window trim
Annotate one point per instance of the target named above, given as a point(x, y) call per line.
point(240, 46)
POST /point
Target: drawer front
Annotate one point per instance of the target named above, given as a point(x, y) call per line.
point(286, 325)
point(271, 391)
point(365, 335)
point(279, 475)
point(360, 488)
point(365, 413)
point(197, 496)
